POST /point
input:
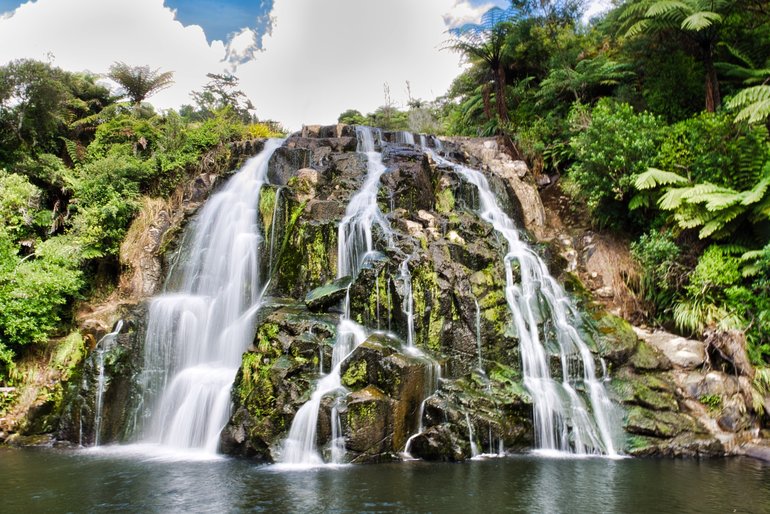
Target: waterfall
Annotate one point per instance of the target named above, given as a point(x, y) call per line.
point(471, 438)
point(355, 246)
point(408, 303)
point(197, 333)
point(546, 324)
point(104, 345)
point(478, 333)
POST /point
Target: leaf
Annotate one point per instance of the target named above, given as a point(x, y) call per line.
point(672, 198)
point(757, 192)
point(700, 20)
point(663, 7)
point(654, 177)
point(638, 201)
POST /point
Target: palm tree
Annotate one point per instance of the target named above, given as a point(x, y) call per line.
point(139, 82)
point(699, 21)
point(486, 41)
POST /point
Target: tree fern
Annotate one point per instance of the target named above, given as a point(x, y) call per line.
point(753, 102)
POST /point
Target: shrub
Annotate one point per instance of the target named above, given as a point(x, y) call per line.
point(612, 145)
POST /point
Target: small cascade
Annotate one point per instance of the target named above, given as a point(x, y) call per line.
point(197, 333)
point(408, 303)
point(355, 246)
point(546, 323)
point(104, 345)
point(405, 138)
point(471, 439)
point(423, 141)
point(478, 333)
point(432, 379)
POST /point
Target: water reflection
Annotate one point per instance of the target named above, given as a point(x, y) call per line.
point(53, 481)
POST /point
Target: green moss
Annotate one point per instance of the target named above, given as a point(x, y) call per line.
point(253, 387)
point(445, 201)
point(362, 414)
point(266, 336)
point(355, 376)
point(267, 202)
point(712, 401)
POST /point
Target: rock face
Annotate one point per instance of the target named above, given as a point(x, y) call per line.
point(438, 375)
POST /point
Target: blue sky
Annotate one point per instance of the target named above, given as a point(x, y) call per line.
point(219, 19)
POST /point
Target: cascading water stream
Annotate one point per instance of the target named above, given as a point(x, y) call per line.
point(544, 318)
point(104, 345)
point(355, 246)
point(197, 334)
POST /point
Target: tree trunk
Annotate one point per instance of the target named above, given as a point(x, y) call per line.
point(713, 98)
point(502, 107)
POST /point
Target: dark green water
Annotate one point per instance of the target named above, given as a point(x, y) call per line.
point(34, 481)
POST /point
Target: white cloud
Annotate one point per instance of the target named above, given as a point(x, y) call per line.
point(92, 34)
point(321, 58)
point(325, 57)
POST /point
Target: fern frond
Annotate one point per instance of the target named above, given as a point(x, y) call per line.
point(654, 177)
point(698, 192)
point(663, 7)
point(756, 193)
point(637, 28)
point(753, 102)
point(721, 200)
point(672, 198)
point(700, 20)
point(638, 201)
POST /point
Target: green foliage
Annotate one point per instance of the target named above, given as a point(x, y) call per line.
point(33, 292)
point(717, 210)
point(711, 148)
point(19, 204)
point(612, 146)
point(139, 82)
point(712, 401)
point(352, 117)
point(663, 274)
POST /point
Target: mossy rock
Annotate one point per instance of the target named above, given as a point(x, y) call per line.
point(666, 424)
point(329, 294)
point(617, 341)
point(647, 358)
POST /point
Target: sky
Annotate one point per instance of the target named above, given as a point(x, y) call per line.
point(299, 61)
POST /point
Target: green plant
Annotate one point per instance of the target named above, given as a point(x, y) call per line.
point(663, 274)
point(712, 401)
point(612, 146)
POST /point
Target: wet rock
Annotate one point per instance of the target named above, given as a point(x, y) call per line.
point(667, 424)
point(332, 293)
point(682, 352)
point(440, 443)
point(368, 421)
point(285, 162)
point(647, 358)
point(730, 346)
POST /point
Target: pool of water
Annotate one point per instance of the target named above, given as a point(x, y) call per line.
point(122, 480)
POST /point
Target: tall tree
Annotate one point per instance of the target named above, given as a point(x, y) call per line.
point(699, 22)
point(486, 42)
point(139, 82)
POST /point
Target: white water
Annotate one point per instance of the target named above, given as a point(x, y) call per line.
point(196, 335)
point(545, 322)
point(104, 345)
point(355, 246)
point(407, 305)
point(471, 438)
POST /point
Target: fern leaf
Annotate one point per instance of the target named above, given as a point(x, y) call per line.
point(664, 7)
point(700, 20)
point(638, 201)
point(757, 192)
point(672, 198)
point(654, 177)
point(637, 28)
point(720, 200)
point(698, 193)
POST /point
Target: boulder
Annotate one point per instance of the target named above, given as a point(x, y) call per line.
point(331, 293)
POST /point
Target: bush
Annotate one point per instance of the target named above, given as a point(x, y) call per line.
point(711, 148)
point(612, 145)
point(663, 274)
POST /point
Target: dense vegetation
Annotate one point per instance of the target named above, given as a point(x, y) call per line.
point(75, 161)
point(656, 118)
